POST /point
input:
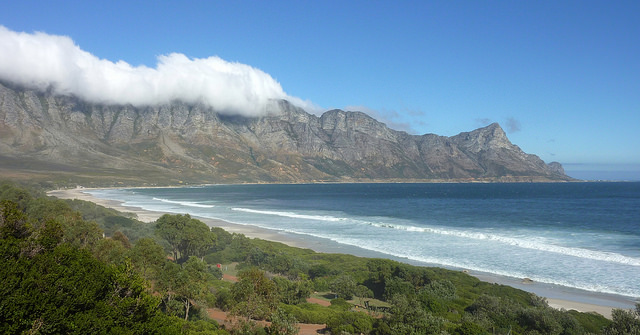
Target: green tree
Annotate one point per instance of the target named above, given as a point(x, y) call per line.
point(624, 322)
point(283, 324)
point(78, 232)
point(195, 279)
point(110, 251)
point(255, 295)
point(148, 256)
point(344, 286)
point(350, 323)
point(293, 292)
point(187, 236)
point(380, 270)
point(68, 291)
point(181, 285)
point(362, 292)
point(408, 317)
point(21, 196)
point(122, 238)
point(50, 235)
point(396, 286)
point(13, 221)
point(168, 281)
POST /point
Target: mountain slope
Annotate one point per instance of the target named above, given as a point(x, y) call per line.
point(44, 133)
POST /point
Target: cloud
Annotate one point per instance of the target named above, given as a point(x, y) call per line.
point(513, 125)
point(44, 61)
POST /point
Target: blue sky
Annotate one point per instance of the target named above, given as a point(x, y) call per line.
point(561, 77)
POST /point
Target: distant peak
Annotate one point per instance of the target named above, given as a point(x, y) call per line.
point(492, 127)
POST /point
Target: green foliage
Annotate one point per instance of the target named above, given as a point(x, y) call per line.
point(223, 240)
point(320, 284)
point(440, 289)
point(435, 296)
point(203, 327)
point(255, 296)
point(181, 285)
point(236, 250)
point(350, 323)
point(408, 317)
point(187, 236)
point(624, 322)
point(310, 313)
point(60, 275)
point(469, 328)
point(395, 286)
point(80, 233)
point(111, 220)
point(293, 292)
point(67, 290)
point(344, 286)
point(13, 221)
point(224, 299)
point(340, 304)
point(362, 292)
point(283, 324)
point(590, 322)
point(195, 280)
point(22, 196)
point(506, 314)
point(110, 251)
point(148, 256)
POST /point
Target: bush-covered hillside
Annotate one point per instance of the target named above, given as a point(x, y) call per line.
point(75, 267)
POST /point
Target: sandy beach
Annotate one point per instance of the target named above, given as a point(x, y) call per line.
point(151, 216)
point(557, 297)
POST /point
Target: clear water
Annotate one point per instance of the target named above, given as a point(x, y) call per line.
point(580, 235)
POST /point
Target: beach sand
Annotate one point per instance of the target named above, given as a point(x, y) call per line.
point(580, 307)
point(557, 297)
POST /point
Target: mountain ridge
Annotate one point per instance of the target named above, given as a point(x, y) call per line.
point(193, 143)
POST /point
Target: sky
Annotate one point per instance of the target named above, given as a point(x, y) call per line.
point(561, 77)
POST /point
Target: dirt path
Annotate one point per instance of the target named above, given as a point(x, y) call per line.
point(230, 278)
point(305, 328)
point(319, 302)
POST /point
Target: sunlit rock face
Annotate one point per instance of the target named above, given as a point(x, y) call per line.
point(194, 142)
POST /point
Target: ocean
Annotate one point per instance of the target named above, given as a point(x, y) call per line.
point(584, 236)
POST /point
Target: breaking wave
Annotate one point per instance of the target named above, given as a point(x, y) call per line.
point(184, 203)
point(291, 215)
point(474, 235)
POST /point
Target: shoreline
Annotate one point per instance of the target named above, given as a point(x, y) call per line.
point(558, 297)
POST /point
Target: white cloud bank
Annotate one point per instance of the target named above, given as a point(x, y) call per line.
point(44, 61)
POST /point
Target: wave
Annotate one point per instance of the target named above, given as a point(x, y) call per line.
point(456, 264)
point(480, 236)
point(291, 215)
point(521, 243)
point(593, 287)
point(184, 203)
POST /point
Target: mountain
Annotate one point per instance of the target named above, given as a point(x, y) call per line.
point(43, 134)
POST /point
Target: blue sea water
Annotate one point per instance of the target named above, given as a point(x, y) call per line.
point(579, 235)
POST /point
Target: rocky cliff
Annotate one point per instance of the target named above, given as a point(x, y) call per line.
point(45, 133)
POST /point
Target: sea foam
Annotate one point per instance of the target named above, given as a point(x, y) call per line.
point(184, 203)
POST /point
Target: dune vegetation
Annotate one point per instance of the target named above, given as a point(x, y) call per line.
point(70, 266)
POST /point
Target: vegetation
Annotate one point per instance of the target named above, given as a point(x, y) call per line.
point(186, 236)
point(75, 267)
